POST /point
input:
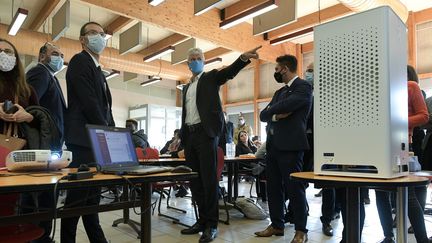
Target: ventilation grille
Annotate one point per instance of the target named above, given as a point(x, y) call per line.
point(349, 79)
point(24, 156)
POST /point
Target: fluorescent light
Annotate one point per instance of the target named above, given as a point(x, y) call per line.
point(108, 34)
point(112, 74)
point(155, 2)
point(291, 36)
point(213, 61)
point(20, 15)
point(253, 12)
point(206, 8)
point(159, 53)
point(152, 80)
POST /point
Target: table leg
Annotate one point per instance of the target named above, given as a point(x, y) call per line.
point(230, 176)
point(401, 214)
point(352, 230)
point(236, 179)
point(146, 212)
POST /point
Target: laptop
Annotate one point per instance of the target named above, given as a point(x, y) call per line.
point(114, 151)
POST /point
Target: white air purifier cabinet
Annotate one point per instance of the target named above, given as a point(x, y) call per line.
point(360, 96)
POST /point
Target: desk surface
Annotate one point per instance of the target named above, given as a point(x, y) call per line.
point(143, 161)
point(35, 181)
point(346, 181)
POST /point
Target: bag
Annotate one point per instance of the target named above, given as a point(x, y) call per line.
point(250, 209)
point(413, 164)
point(147, 153)
point(11, 140)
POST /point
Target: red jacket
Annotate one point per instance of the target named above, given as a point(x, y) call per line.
point(417, 110)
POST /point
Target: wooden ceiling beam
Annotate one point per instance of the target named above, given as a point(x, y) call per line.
point(44, 13)
point(28, 43)
point(117, 24)
point(423, 16)
point(179, 18)
point(217, 52)
point(171, 40)
point(310, 20)
point(240, 7)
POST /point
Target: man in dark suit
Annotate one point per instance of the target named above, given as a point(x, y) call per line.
point(89, 102)
point(46, 84)
point(50, 96)
point(286, 116)
point(202, 123)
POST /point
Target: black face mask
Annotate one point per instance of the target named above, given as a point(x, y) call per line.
point(278, 77)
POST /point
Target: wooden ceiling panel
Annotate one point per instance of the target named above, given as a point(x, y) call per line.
point(179, 18)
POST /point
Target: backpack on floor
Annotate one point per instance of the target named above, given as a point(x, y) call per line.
point(250, 209)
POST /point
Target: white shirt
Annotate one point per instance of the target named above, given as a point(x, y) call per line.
point(192, 115)
point(289, 85)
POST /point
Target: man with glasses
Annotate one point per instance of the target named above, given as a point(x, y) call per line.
point(89, 102)
point(48, 90)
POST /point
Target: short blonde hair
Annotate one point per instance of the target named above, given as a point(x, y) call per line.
point(195, 51)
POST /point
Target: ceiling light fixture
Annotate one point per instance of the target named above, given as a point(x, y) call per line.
point(253, 12)
point(152, 80)
point(112, 74)
point(213, 61)
point(155, 2)
point(17, 21)
point(159, 53)
point(108, 34)
point(291, 36)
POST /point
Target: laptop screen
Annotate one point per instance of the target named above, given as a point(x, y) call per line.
point(112, 145)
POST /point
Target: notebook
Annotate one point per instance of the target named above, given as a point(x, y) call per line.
point(114, 151)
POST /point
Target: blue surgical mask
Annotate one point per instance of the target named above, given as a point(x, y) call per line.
point(96, 43)
point(309, 76)
point(196, 66)
point(56, 63)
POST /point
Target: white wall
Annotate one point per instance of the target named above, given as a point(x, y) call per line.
point(125, 95)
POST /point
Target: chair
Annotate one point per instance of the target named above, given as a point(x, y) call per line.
point(220, 166)
point(15, 233)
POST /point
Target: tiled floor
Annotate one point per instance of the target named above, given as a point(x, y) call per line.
point(240, 229)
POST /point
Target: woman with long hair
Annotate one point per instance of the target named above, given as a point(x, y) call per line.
point(244, 145)
point(13, 86)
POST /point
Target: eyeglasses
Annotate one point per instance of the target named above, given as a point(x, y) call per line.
point(94, 32)
point(8, 51)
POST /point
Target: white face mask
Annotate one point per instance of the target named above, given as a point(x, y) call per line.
point(7, 62)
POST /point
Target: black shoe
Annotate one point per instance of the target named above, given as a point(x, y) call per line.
point(194, 229)
point(388, 240)
point(327, 229)
point(410, 230)
point(181, 192)
point(209, 234)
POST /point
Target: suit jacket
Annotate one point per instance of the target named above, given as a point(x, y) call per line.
point(89, 99)
point(208, 100)
point(289, 134)
point(49, 93)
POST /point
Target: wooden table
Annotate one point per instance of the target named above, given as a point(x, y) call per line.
point(28, 183)
point(232, 165)
point(353, 184)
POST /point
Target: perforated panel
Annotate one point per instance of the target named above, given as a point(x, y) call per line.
point(349, 79)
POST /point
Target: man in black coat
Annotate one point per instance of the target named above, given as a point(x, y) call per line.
point(286, 116)
point(227, 133)
point(42, 78)
point(202, 123)
point(89, 102)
